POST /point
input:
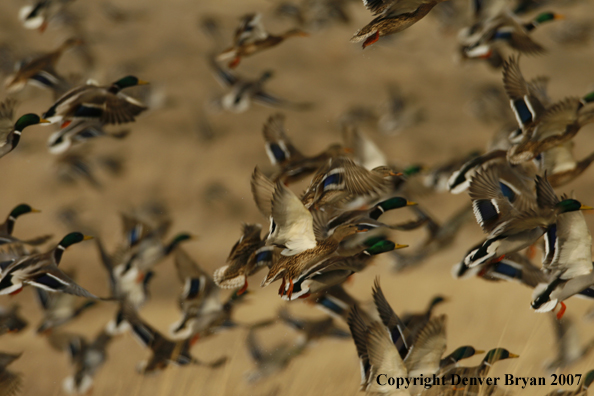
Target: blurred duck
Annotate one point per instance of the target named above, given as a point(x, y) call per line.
point(269, 362)
point(39, 14)
point(570, 350)
point(7, 227)
point(485, 38)
point(541, 127)
point(106, 104)
point(86, 358)
point(39, 70)
point(10, 383)
point(393, 16)
point(164, 351)
point(251, 38)
point(242, 92)
point(11, 321)
point(312, 330)
point(203, 311)
point(79, 132)
point(59, 309)
point(293, 165)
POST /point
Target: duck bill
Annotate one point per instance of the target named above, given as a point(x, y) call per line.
point(142, 82)
point(87, 237)
point(585, 207)
point(35, 211)
point(410, 203)
point(513, 355)
point(478, 352)
point(397, 246)
point(44, 121)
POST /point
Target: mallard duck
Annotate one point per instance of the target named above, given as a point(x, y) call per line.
point(482, 38)
point(570, 349)
point(335, 301)
point(200, 301)
point(514, 267)
point(86, 358)
point(560, 164)
point(10, 383)
point(164, 351)
point(251, 38)
point(393, 17)
point(7, 227)
point(452, 360)
point(416, 322)
point(78, 132)
point(247, 257)
point(124, 289)
point(513, 222)
point(315, 14)
point(102, 103)
point(243, 92)
point(269, 362)
point(542, 127)
point(41, 270)
point(369, 217)
point(312, 329)
point(377, 354)
point(480, 371)
point(291, 268)
point(341, 180)
point(11, 321)
point(59, 309)
point(336, 270)
point(149, 252)
point(581, 390)
point(39, 70)
point(568, 260)
point(440, 237)
point(294, 166)
point(10, 133)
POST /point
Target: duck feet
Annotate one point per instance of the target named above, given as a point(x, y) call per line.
point(561, 311)
point(140, 277)
point(14, 293)
point(371, 39)
point(281, 289)
point(243, 288)
point(290, 291)
point(65, 124)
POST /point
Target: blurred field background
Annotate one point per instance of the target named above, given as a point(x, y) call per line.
point(204, 181)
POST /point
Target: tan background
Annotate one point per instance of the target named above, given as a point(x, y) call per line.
point(166, 160)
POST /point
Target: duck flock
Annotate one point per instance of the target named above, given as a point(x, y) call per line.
point(311, 244)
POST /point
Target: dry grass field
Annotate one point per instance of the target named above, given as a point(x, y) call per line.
point(205, 184)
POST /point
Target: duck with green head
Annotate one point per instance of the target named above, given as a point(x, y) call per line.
point(10, 134)
point(484, 39)
point(452, 360)
point(7, 227)
point(492, 357)
point(41, 270)
point(106, 104)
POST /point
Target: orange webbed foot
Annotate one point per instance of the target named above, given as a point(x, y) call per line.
point(290, 291)
point(561, 311)
point(371, 39)
point(243, 288)
point(65, 124)
point(140, 277)
point(14, 293)
point(531, 252)
point(281, 289)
